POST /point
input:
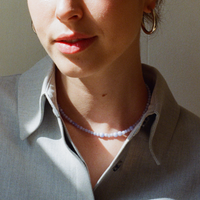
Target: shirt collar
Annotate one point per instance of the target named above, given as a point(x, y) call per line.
point(31, 96)
point(38, 85)
point(166, 109)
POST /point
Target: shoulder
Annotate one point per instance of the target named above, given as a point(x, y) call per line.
point(185, 142)
point(8, 92)
point(9, 126)
point(186, 138)
point(181, 160)
point(7, 82)
point(8, 100)
point(188, 123)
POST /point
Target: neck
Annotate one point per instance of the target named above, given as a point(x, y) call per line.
point(106, 102)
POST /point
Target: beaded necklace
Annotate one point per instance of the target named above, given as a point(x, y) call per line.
point(108, 135)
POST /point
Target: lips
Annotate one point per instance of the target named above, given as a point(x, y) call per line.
point(71, 41)
point(74, 43)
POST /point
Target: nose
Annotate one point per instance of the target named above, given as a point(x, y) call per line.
point(69, 10)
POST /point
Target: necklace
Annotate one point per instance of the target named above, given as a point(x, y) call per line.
point(108, 135)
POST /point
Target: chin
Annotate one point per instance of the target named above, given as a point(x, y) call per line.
point(76, 68)
point(74, 71)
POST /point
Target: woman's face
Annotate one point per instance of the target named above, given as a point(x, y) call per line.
point(85, 36)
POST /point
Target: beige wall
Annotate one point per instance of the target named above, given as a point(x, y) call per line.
point(174, 49)
point(19, 46)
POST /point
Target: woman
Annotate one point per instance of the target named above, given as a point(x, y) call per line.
point(94, 122)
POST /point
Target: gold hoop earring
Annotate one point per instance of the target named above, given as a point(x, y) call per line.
point(154, 27)
point(33, 27)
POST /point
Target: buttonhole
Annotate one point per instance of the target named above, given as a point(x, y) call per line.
point(117, 166)
point(145, 121)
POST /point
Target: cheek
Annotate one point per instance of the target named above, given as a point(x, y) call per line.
point(119, 17)
point(41, 11)
point(117, 12)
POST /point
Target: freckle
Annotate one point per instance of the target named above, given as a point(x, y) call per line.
point(103, 95)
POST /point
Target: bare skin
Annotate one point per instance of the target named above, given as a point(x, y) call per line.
point(97, 153)
point(101, 87)
point(113, 105)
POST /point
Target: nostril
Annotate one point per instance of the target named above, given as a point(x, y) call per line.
point(74, 17)
point(67, 11)
point(70, 15)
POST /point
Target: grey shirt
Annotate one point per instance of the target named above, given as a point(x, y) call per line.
point(159, 160)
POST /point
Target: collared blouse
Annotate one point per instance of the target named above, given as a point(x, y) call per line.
point(160, 159)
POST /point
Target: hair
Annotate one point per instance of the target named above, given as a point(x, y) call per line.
point(148, 16)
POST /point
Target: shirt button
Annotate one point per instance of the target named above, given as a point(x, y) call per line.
point(117, 166)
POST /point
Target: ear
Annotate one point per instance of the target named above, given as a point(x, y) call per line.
point(149, 6)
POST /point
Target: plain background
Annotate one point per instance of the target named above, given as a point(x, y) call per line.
point(174, 49)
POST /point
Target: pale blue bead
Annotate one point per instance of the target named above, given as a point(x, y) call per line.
point(115, 134)
point(102, 135)
point(95, 133)
point(78, 126)
point(120, 133)
point(106, 134)
point(86, 130)
point(123, 132)
point(126, 131)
